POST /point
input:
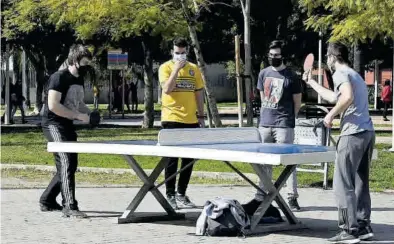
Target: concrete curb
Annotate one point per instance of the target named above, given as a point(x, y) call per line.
point(198, 174)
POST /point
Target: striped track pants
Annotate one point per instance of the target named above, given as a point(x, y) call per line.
point(66, 164)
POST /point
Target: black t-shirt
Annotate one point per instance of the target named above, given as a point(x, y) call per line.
point(277, 105)
point(72, 90)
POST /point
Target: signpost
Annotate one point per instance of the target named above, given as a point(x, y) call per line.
point(116, 60)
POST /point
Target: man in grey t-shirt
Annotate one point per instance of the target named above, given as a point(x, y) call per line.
point(354, 148)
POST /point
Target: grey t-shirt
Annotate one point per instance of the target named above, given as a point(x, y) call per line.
point(355, 118)
point(277, 104)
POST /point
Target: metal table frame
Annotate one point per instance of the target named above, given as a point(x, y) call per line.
point(272, 194)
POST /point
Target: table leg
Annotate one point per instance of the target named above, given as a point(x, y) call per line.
point(129, 214)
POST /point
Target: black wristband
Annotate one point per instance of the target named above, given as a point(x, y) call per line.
point(200, 117)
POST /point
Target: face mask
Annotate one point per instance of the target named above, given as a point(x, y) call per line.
point(179, 57)
point(83, 70)
point(275, 62)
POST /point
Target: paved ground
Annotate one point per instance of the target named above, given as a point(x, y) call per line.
point(21, 221)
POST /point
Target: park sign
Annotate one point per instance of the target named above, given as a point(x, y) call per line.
point(117, 60)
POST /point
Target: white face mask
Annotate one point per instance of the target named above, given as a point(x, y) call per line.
point(179, 57)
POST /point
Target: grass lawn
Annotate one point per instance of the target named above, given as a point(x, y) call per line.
point(29, 147)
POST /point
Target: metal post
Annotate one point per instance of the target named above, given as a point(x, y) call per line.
point(110, 93)
point(320, 61)
point(25, 87)
point(239, 81)
point(123, 94)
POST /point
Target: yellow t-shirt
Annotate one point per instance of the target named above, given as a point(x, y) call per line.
point(180, 105)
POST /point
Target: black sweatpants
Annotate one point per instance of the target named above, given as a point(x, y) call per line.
point(172, 167)
point(66, 164)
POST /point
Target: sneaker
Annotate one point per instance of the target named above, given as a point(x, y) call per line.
point(344, 237)
point(293, 204)
point(172, 201)
point(364, 233)
point(73, 213)
point(50, 207)
point(386, 119)
point(183, 201)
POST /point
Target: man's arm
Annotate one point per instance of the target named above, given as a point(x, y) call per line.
point(200, 101)
point(56, 107)
point(169, 84)
point(297, 102)
point(344, 100)
point(327, 94)
point(83, 108)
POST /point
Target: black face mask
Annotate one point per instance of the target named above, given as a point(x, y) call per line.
point(275, 62)
point(83, 70)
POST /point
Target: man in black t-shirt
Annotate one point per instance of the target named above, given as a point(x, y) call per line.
point(65, 103)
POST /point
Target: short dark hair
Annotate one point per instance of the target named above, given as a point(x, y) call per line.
point(277, 44)
point(339, 51)
point(78, 52)
point(180, 42)
point(387, 82)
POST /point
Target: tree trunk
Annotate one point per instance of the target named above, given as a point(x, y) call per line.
point(358, 62)
point(248, 62)
point(148, 91)
point(201, 64)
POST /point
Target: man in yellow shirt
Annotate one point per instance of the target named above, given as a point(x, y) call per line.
point(182, 107)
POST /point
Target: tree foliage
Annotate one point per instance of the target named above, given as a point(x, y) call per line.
point(351, 20)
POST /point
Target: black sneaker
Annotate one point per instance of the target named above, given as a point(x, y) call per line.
point(73, 213)
point(293, 204)
point(364, 233)
point(50, 207)
point(172, 201)
point(183, 201)
point(344, 237)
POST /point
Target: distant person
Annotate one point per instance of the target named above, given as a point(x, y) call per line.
point(386, 98)
point(134, 96)
point(17, 100)
point(96, 95)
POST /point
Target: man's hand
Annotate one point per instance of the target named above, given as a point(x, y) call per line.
point(307, 76)
point(328, 120)
point(201, 122)
point(84, 118)
point(179, 65)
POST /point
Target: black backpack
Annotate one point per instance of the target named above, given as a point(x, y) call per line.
point(224, 225)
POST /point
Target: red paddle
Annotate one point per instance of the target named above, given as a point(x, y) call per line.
point(308, 63)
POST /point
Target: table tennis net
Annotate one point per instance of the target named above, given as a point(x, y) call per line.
point(176, 137)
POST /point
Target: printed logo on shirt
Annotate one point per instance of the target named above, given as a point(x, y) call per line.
point(185, 85)
point(191, 72)
point(273, 91)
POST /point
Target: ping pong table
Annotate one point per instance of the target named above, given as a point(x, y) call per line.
point(220, 144)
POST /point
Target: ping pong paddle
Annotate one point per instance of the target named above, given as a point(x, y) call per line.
point(308, 63)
